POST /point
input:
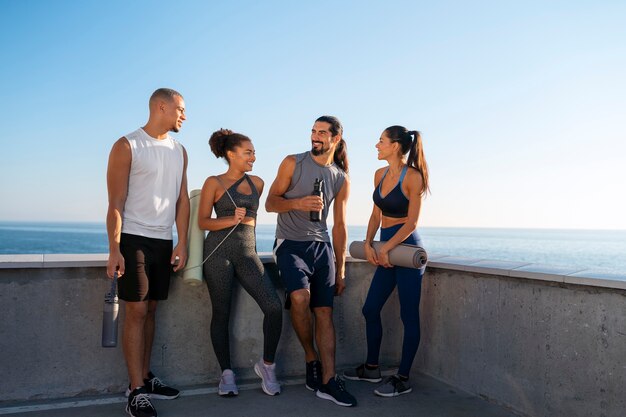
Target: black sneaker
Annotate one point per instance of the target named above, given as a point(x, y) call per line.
point(313, 375)
point(158, 390)
point(139, 404)
point(335, 391)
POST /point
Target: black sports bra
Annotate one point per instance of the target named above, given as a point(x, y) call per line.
point(394, 204)
point(224, 207)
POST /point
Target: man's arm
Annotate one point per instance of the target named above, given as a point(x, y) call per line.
point(118, 172)
point(340, 235)
point(276, 203)
point(182, 221)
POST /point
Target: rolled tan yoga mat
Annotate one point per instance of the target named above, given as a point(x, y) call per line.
point(408, 256)
point(192, 274)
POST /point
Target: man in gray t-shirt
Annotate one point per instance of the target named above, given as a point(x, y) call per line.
point(312, 269)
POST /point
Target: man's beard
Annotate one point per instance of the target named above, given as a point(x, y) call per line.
point(319, 151)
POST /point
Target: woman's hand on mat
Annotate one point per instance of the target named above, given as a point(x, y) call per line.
point(383, 257)
point(370, 254)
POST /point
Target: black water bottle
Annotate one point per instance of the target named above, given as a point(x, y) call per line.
point(110, 315)
point(316, 216)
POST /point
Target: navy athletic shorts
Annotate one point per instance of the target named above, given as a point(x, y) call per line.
point(307, 265)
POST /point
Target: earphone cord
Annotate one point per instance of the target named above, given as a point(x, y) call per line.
point(225, 237)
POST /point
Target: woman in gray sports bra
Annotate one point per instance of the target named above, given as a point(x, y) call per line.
point(231, 250)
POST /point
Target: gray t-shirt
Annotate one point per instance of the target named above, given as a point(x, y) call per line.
point(295, 224)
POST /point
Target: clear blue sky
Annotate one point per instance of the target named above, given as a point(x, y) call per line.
point(522, 105)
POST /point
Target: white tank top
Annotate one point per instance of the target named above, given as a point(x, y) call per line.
point(156, 173)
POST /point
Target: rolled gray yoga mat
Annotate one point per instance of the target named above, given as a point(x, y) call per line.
point(408, 256)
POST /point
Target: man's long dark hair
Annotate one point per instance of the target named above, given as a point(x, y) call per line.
point(340, 157)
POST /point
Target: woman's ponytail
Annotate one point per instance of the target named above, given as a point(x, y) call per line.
point(411, 141)
point(416, 159)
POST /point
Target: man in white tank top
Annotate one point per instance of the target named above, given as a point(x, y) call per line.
point(147, 186)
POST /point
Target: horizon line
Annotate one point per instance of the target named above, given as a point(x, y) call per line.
point(350, 225)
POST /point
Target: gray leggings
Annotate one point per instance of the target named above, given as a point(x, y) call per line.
point(237, 258)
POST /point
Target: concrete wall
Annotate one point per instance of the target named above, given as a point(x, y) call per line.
point(543, 348)
point(544, 343)
point(51, 320)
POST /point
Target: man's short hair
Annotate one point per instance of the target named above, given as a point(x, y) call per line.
point(164, 94)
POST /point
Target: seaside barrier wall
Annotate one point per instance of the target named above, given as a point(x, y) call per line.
point(543, 341)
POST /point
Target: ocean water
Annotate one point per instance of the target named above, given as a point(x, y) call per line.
point(603, 250)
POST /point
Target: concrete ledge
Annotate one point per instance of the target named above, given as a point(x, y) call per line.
point(55, 260)
point(540, 272)
point(21, 261)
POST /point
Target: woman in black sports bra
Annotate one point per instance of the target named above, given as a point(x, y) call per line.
point(230, 248)
point(398, 192)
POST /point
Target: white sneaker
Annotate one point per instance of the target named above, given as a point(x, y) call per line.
point(228, 387)
point(267, 373)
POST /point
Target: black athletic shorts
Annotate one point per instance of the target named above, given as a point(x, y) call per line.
point(148, 268)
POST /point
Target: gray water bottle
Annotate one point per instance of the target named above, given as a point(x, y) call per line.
point(110, 315)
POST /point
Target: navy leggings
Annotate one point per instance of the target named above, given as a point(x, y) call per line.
point(409, 283)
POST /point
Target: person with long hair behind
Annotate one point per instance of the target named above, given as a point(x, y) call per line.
point(231, 247)
point(313, 269)
point(398, 193)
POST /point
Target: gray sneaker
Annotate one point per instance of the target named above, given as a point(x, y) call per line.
point(393, 386)
point(268, 377)
point(361, 373)
point(228, 387)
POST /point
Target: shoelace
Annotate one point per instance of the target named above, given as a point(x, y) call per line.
point(141, 401)
point(270, 375)
point(315, 376)
point(228, 379)
point(340, 384)
point(396, 382)
point(156, 382)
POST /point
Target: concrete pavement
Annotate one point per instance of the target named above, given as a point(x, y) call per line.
point(430, 397)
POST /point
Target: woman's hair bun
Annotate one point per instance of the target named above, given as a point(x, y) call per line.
point(217, 142)
point(224, 140)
